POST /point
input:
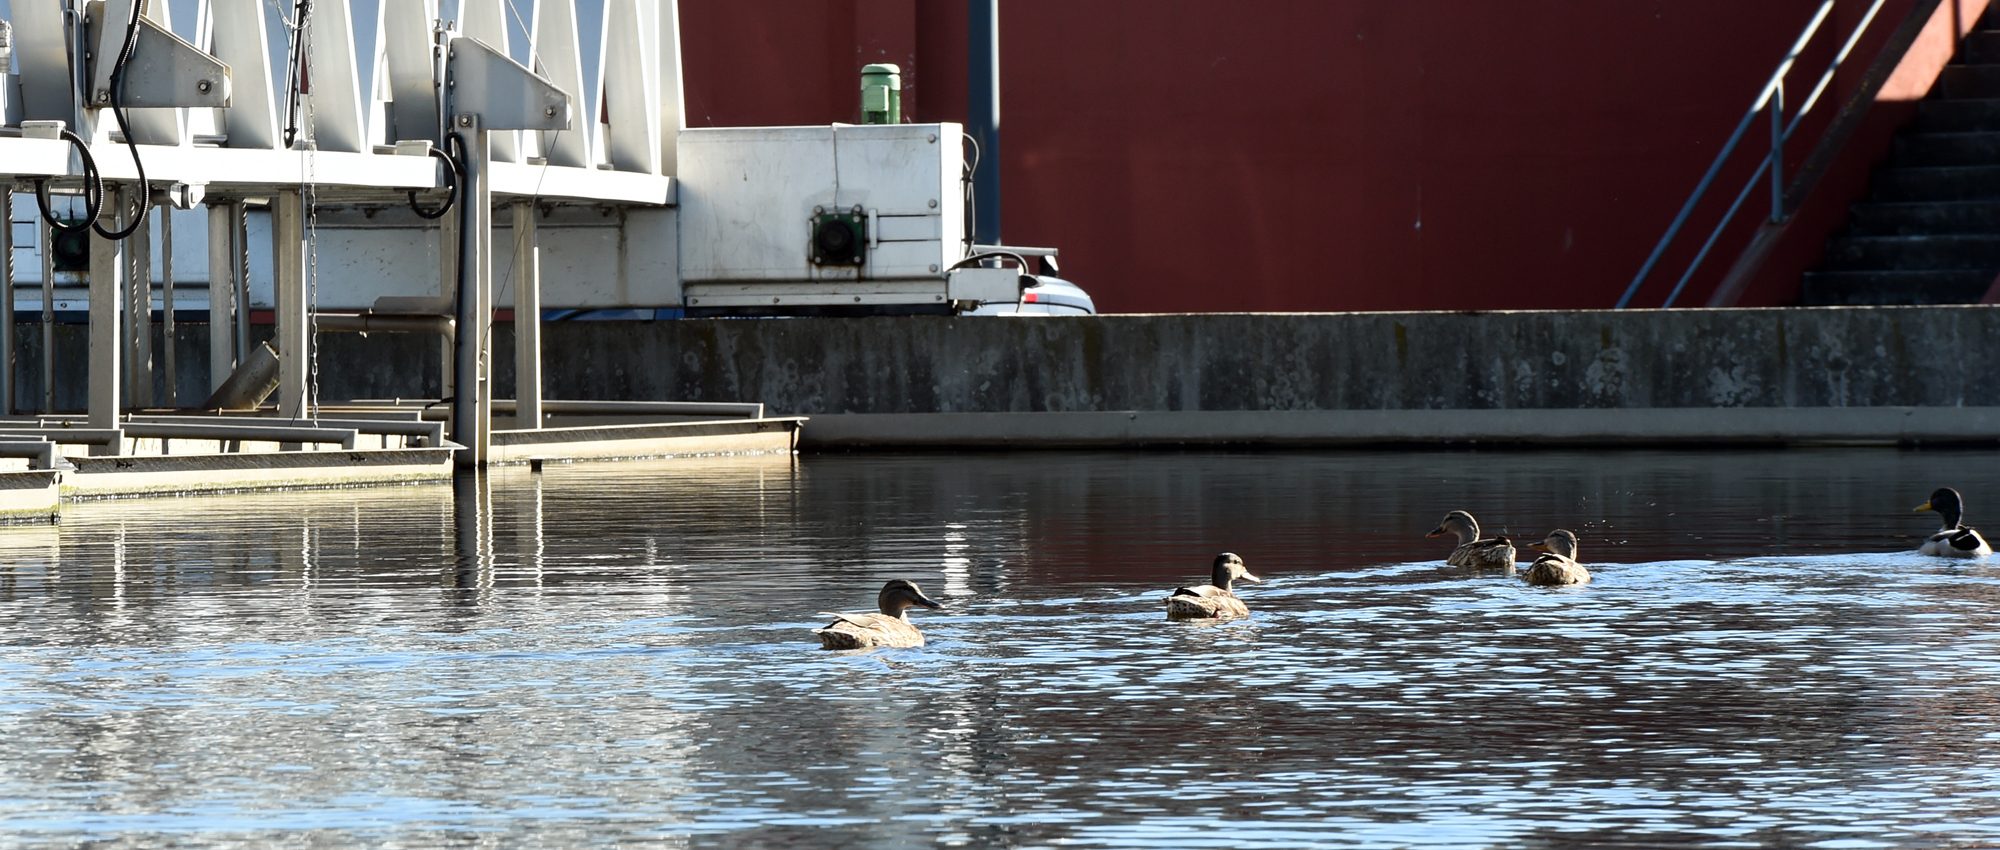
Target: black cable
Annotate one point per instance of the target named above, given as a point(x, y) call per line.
point(966, 190)
point(457, 141)
point(295, 71)
point(451, 170)
point(118, 112)
point(992, 255)
point(93, 190)
point(93, 184)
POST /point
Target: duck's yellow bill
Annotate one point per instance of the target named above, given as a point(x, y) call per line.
point(1921, 508)
point(1539, 547)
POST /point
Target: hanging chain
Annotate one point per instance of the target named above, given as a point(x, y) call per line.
point(312, 242)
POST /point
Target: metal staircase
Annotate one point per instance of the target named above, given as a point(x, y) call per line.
point(1929, 232)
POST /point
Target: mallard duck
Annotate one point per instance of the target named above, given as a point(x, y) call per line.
point(889, 628)
point(1953, 540)
point(1559, 566)
point(1472, 551)
point(1212, 601)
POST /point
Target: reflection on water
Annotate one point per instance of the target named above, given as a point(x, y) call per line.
point(622, 653)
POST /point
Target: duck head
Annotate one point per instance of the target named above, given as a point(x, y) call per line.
point(1457, 523)
point(1946, 502)
point(1228, 568)
point(1561, 541)
point(899, 595)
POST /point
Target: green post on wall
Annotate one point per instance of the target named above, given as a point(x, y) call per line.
point(881, 94)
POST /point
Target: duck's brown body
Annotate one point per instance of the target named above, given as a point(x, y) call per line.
point(1473, 550)
point(1216, 600)
point(1555, 571)
point(861, 631)
point(1491, 553)
point(1205, 601)
point(1559, 566)
point(890, 627)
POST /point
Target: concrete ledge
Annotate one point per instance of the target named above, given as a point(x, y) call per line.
point(1596, 426)
point(29, 495)
point(675, 439)
point(132, 475)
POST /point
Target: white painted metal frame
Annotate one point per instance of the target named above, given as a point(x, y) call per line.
point(639, 78)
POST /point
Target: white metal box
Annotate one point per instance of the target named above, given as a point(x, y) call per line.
point(748, 195)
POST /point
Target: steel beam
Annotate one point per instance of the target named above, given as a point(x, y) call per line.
point(49, 319)
point(982, 118)
point(107, 301)
point(167, 302)
point(472, 405)
point(527, 318)
point(139, 314)
point(288, 261)
point(7, 301)
point(222, 308)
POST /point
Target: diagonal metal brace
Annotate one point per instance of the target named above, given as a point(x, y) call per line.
point(165, 69)
point(502, 92)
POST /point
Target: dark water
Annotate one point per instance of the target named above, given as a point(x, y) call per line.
point(619, 654)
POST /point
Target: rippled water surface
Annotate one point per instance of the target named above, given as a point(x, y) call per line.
point(619, 653)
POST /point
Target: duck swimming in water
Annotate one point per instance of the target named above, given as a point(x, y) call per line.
point(1954, 540)
point(1212, 601)
point(1558, 567)
point(891, 627)
point(1473, 552)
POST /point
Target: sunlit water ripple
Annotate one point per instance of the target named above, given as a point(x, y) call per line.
point(620, 654)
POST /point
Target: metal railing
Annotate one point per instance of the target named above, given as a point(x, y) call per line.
point(1770, 99)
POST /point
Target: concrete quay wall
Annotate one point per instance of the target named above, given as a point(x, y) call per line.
point(1899, 374)
point(1904, 374)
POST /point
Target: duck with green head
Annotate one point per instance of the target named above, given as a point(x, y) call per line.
point(891, 627)
point(1216, 600)
point(1954, 540)
point(1559, 566)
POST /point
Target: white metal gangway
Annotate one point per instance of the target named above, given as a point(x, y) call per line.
point(309, 104)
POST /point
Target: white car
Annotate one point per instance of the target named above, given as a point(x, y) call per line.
point(1050, 296)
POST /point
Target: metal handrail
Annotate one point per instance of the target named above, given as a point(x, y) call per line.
point(1770, 97)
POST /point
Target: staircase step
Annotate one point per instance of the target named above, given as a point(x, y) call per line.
point(1968, 81)
point(1957, 116)
point(1963, 183)
point(1926, 150)
point(1913, 253)
point(1894, 287)
point(1950, 217)
point(1979, 48)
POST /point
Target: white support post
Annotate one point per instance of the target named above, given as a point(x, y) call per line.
point(107, 301)
point(627, 82)
point(558, 57)
point(472, 409)
point(288, 249)
point(405, 44)
point(338, 123)
point(673, 103)
point(527, 318)
point(237, 37)
point(222, 315)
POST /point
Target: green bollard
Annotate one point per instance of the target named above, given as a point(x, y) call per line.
point(881, 94)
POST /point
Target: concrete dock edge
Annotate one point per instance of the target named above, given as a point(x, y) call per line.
point(1334, 428)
